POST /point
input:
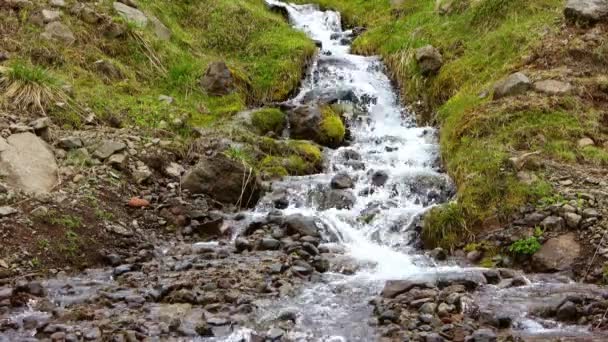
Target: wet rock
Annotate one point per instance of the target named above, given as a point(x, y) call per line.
point(222, 179)
point(482, 335)
point(342, 181)
point(218, 79)
point(557, 254)
point(586, 11)
point(552, 87)
point(339, 199)
point(28, 163)
point(300, 224)
point(393, 288)
point(242, 244)
point(568, 312)
point(268, 244)
point(429, 60)
point(122, 269)
point(321, 265)
point(131, 14)
point(34, 288)
point(305, 122)
point(514, 84)
point(474, 256)
point(58, 32)
point(350, 154)
point(379, 178)
point(492, 276)
point(439, 254)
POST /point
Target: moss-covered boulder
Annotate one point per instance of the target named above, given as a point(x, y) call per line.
point(292, 157)
point(320, 124)
point(269, 120)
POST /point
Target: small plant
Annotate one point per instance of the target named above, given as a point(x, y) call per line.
point(68, 221)
point(71, 246)
point(43, 244)
point(29, 87)
point(35, 262)
point(526, 246)
point(103, 215)
point(538, 231)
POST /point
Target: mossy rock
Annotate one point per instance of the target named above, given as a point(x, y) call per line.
point(269, 120)
point(332, 128)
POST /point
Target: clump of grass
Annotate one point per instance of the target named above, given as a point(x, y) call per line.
point(332, 127)
point(445, 226)
point(29, 87)
point(269, 120)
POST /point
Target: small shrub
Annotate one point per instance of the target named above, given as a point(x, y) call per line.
point(526, 246)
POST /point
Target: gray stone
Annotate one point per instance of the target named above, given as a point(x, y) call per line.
point(108, 148)
point(118, 160)
point(534, 218)
point(552, 223)
point(557, 254)
point(269, 244)
point(428, 308)
point(275, 334)
point(69, 143)
point(57, 3)
point(174, 170)
point(300, 224)
point(393, 288)
point(49, 16)
point(553, 87)
point(429, 60)
point(131, 14)
point(586, 11)
point(514, 84)
point(27, 163)
point(572, 219)
point(58, 32)
point(590, 212)
point(342, 181)
point(161, 31)
point(379, 178)
point(474, 256)
point(584, 142)
point(568, 312)
point(7, 211)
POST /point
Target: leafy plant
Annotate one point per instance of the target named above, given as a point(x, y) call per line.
point(527, 246)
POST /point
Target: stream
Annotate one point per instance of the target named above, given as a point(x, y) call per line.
point(397, 176)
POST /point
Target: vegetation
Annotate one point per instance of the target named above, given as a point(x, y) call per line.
point(481, 42)
point(332, 127)
point(269, 120)
point(527, 246)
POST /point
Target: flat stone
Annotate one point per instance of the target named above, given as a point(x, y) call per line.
point(553, 87)
point(514, 84)
point(49, 16)
point(552, 223)
point(28, 163)
point(557, 254)
point(58, 32)
point(7, 211)
point(131, 14)
point(108, 148)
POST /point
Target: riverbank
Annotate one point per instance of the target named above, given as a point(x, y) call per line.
point(514, 148)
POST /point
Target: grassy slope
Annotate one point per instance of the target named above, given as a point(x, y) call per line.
point(480, 44)
point(258, 45)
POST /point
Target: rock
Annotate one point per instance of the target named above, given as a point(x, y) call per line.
point(108, 148)
point(137, 202)
point(92, 334)
point(57, 3)
point(428, 308)
point(393, 288)
point(34, 288)
point(567, 312)
point(514, 84)
point(222, 179)
point(379, 178)
point(141, 173)
point(429, 60)
point(161, 31)
point(586, 11)
point(131, 14)
point(174, 170)
point(552, 223)
point(305, 122)
point(119, 229)
point(342, 181)
point(166, 99)
point(275, 334)
point(300, 224)
point(339, 199)
point(572, 220)
point(7, 211)
point(590, 212)
point(268, 244)
point(492, 276)
point(70, 143)
point(59, 32)
point(474, 256)
point(433, 337)
point(218, 79)
point(49, 16)
point(584, 142)
point(482, 335)
point(557, 254)
point(552, 87)
point(242, 244)
point(27, 163)
point(439, 254)
point(118, 161)
point(107, 69)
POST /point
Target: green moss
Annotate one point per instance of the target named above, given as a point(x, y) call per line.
point(332, 127)
point(272, 167)
point(269, 120)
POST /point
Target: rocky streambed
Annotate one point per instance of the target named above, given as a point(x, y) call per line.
point(329, 257)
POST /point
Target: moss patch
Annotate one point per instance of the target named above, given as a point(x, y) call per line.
point(332, 127)
point(269, 120)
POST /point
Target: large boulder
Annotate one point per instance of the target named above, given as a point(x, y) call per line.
point(514, 84)
point(27, 163)
point(218, 79)
point(429, 60)
point(557, 254)
point(586, 11)
point(225, 180)
point(131, 14)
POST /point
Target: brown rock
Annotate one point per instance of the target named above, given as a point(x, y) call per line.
point(557, 254)
point(137, 202)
